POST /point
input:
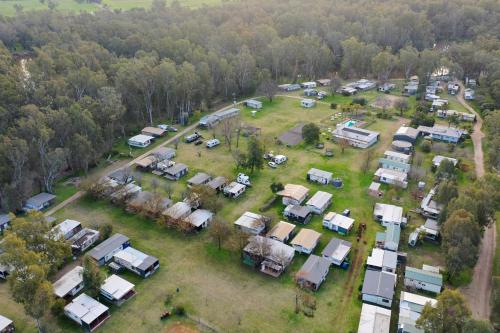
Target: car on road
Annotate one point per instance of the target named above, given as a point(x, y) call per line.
point(213, 143)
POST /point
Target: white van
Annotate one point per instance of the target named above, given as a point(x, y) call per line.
point(213, 143)
point(279, 159)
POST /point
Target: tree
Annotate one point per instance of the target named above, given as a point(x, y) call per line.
point(401, 105)
point(367, 159)
point(446, 191)
point(477, 326)
point(219, 231)
point(276, 187)
point(41, 303)
point(344, 143)
point(254, 156)
point(448, 316)
point(310, 133)
point(408, 60)
point(446, 170)
point(383, 64)
point(268, 88)
point(461, 238)
point(93, 277)
point(105, 230)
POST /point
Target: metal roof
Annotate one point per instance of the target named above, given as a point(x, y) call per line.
point(68, 281)
point(374, 319)
point(110, 244)
point(86, 308)
point(319, 199)
point(116, 286)
point(314, 269)
point(40, 199)
point(337, 249)
point(379, 284)
point(424, 276)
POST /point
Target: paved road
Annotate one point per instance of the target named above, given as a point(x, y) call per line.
point(478, 292)
point(115, 167)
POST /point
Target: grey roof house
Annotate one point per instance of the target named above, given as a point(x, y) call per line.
point(424, 279)
point(378, 288)
point(336, 251)
point(314, 271)
point(39, 202)
point(103, 252)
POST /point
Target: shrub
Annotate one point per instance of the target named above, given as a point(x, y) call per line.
point(426, 147)
point(359, 100)
point(333, 106)
point(179, 310)
point(105, 230)
point(57, 308)
point(276, 187)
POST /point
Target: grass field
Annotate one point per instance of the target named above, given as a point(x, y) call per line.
point(213, 284)
point(67, 6)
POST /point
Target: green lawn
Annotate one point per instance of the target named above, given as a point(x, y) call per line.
point(215, 285)
point(67, 6)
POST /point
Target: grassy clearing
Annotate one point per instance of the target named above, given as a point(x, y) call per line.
point(71, 6)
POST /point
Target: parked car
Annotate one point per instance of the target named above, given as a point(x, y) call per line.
point(213, 143)
point(279, 159)
point(198, 142)
point(269, 156)
point(346, 212)
point(243, 179)
point(192, 137)
point(163, 127)
point(167, 128)
point(272, 165)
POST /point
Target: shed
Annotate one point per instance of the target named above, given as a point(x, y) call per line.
point(253, 103)
point(199, 179)
point(305, 241)
point(200, 218)
point(103, 252)
point(282, 231)
point(39, 202)
point(70, 283)
point(140, 141)
point(137, 262)
point(312, 274)
point(146, 162)
point(336, 251)
point(251, 223)
point(67, 228)
point(87, 312)
point(423, 279)
point(296, 213)
point(307, 103)
point(382, 260)
point(402, 146)
point(378, 288)
point(374, 190)
point(293, 194)
point(83, 239)
point(117, 290)
point(164, 153)
point(319, 202)
point(324, 82)
point(176, 171)
point(436, 160)
point(153, 131)
point(319, 176)
point(234, 189)
point(338, 222)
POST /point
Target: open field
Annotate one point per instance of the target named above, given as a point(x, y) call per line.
point(71, 6)
point(211, 281)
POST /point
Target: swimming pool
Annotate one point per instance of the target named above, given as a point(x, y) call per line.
point(350, 123)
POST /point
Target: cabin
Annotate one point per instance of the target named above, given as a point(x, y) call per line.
point(83, 240)
point(410, 307)
point(140, 141)
point(453, 88)
point(299, 214)
point(310, 92)
point(155, 132)
point(312, 274)
point(392, 177)
point(146, 163)
point(378, 288)
point(125, 193)
point(460, 115)
point(200, 218)
point(121, 176)
point(336, 251)
point(469, 94)
point(270, 256)
point(234, 190)
point(179, 211)
point(429, 207)
point(389, 240)
point(70, 283)
point(87, 312)
point(282, 231)
point(355, 136)
point(395, 161)
point(305, 241)
point(408, 134)
point(431, 229)
point(319, 176)
point(117, 290)
point(324, 82)
point(402, 146)
point(382, 260)
point(214, 118)
point(293, 194)
point(289, 87)
point(176, 171)
point(410, 89)
point(308, 85)
point(217, 184)
point(6, 325)
point(164, 153)
point(374, 319)
point(4, 222)
point(386, 87)
point(251, 223)
point(442, 133)
point(105, 251)
point(364, 85)
point(254, 104)
point(137, 262)
point(388, 214)
point(200, 178)
point(319, 202)
point(436, 160)
point(39, 202)
point(67, 229)
point(307, 103)
point(423, 279)
point(338, 222)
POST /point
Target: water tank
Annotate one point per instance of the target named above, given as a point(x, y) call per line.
point(337, 182)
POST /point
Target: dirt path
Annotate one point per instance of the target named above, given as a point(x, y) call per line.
point(478, 292)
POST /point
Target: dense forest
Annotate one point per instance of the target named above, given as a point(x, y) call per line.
point(93, 78)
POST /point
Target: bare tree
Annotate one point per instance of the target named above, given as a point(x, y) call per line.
point(367, 159)
point(219, 231)
point(343, 143)
point(228, 127)
point(169, 189)
point(402, 105)
point(268, 88)
point(154, 185)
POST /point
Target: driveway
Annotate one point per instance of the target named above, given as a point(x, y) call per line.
point(478, 292)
